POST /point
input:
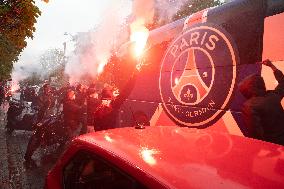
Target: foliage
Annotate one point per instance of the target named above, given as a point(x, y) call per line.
point(53, 63)
point(60, 77)
point(17, 19)
point(51, 60)
point(193, 6)
point(34, 79)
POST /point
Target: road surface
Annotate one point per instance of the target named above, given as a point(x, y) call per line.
point(13, 174)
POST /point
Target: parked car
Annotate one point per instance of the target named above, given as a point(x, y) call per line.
point(167, 157)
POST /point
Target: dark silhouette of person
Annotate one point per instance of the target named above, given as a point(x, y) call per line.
point(71, 113)
point(61, 94)
point(262, 112)
point(106, 114)
point(92, 104)
point(44, 102)
point(81, 98)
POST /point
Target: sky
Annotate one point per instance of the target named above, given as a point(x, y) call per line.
point(61, 16)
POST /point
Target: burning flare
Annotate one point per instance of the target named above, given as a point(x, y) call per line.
point(139, 36)
point(101, 68)
point(14, 87)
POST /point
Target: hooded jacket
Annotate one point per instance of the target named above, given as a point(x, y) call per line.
point(262, 112)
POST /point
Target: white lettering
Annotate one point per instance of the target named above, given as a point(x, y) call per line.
point(194, 38)
point(183, 44)
point(174, 50)
point(211, 45)
point(203, 38)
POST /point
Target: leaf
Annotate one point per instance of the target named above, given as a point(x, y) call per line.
point(17, 19)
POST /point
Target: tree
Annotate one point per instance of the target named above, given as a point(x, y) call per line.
point(51, 60)
point(34, 79)
point(193, 6)
point(53, 63)
point(59, 74)
point(17, 19)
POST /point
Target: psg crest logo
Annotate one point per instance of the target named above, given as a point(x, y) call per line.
point(197, 76)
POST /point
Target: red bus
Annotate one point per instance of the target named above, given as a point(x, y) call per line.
point(196, 64)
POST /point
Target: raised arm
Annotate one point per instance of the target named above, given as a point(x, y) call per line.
point(279, 76)
point(125, 91)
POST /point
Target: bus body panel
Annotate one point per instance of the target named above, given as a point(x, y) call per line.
point(252, 31)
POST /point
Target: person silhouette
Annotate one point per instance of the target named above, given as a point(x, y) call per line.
point(262, 112)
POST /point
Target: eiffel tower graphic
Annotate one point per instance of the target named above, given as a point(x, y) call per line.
point(190, 77)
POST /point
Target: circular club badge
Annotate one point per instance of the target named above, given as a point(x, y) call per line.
point(197, 76)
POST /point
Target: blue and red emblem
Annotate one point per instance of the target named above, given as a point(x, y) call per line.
point(197, 76)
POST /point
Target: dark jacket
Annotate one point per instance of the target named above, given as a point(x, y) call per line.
point(105, 117)
point(262, 112)
point(80, 98)
point(92, 105)
point(71, 112)
point(44, 103)
point(61, 93)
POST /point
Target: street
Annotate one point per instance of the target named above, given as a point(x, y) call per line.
point(13, 173)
